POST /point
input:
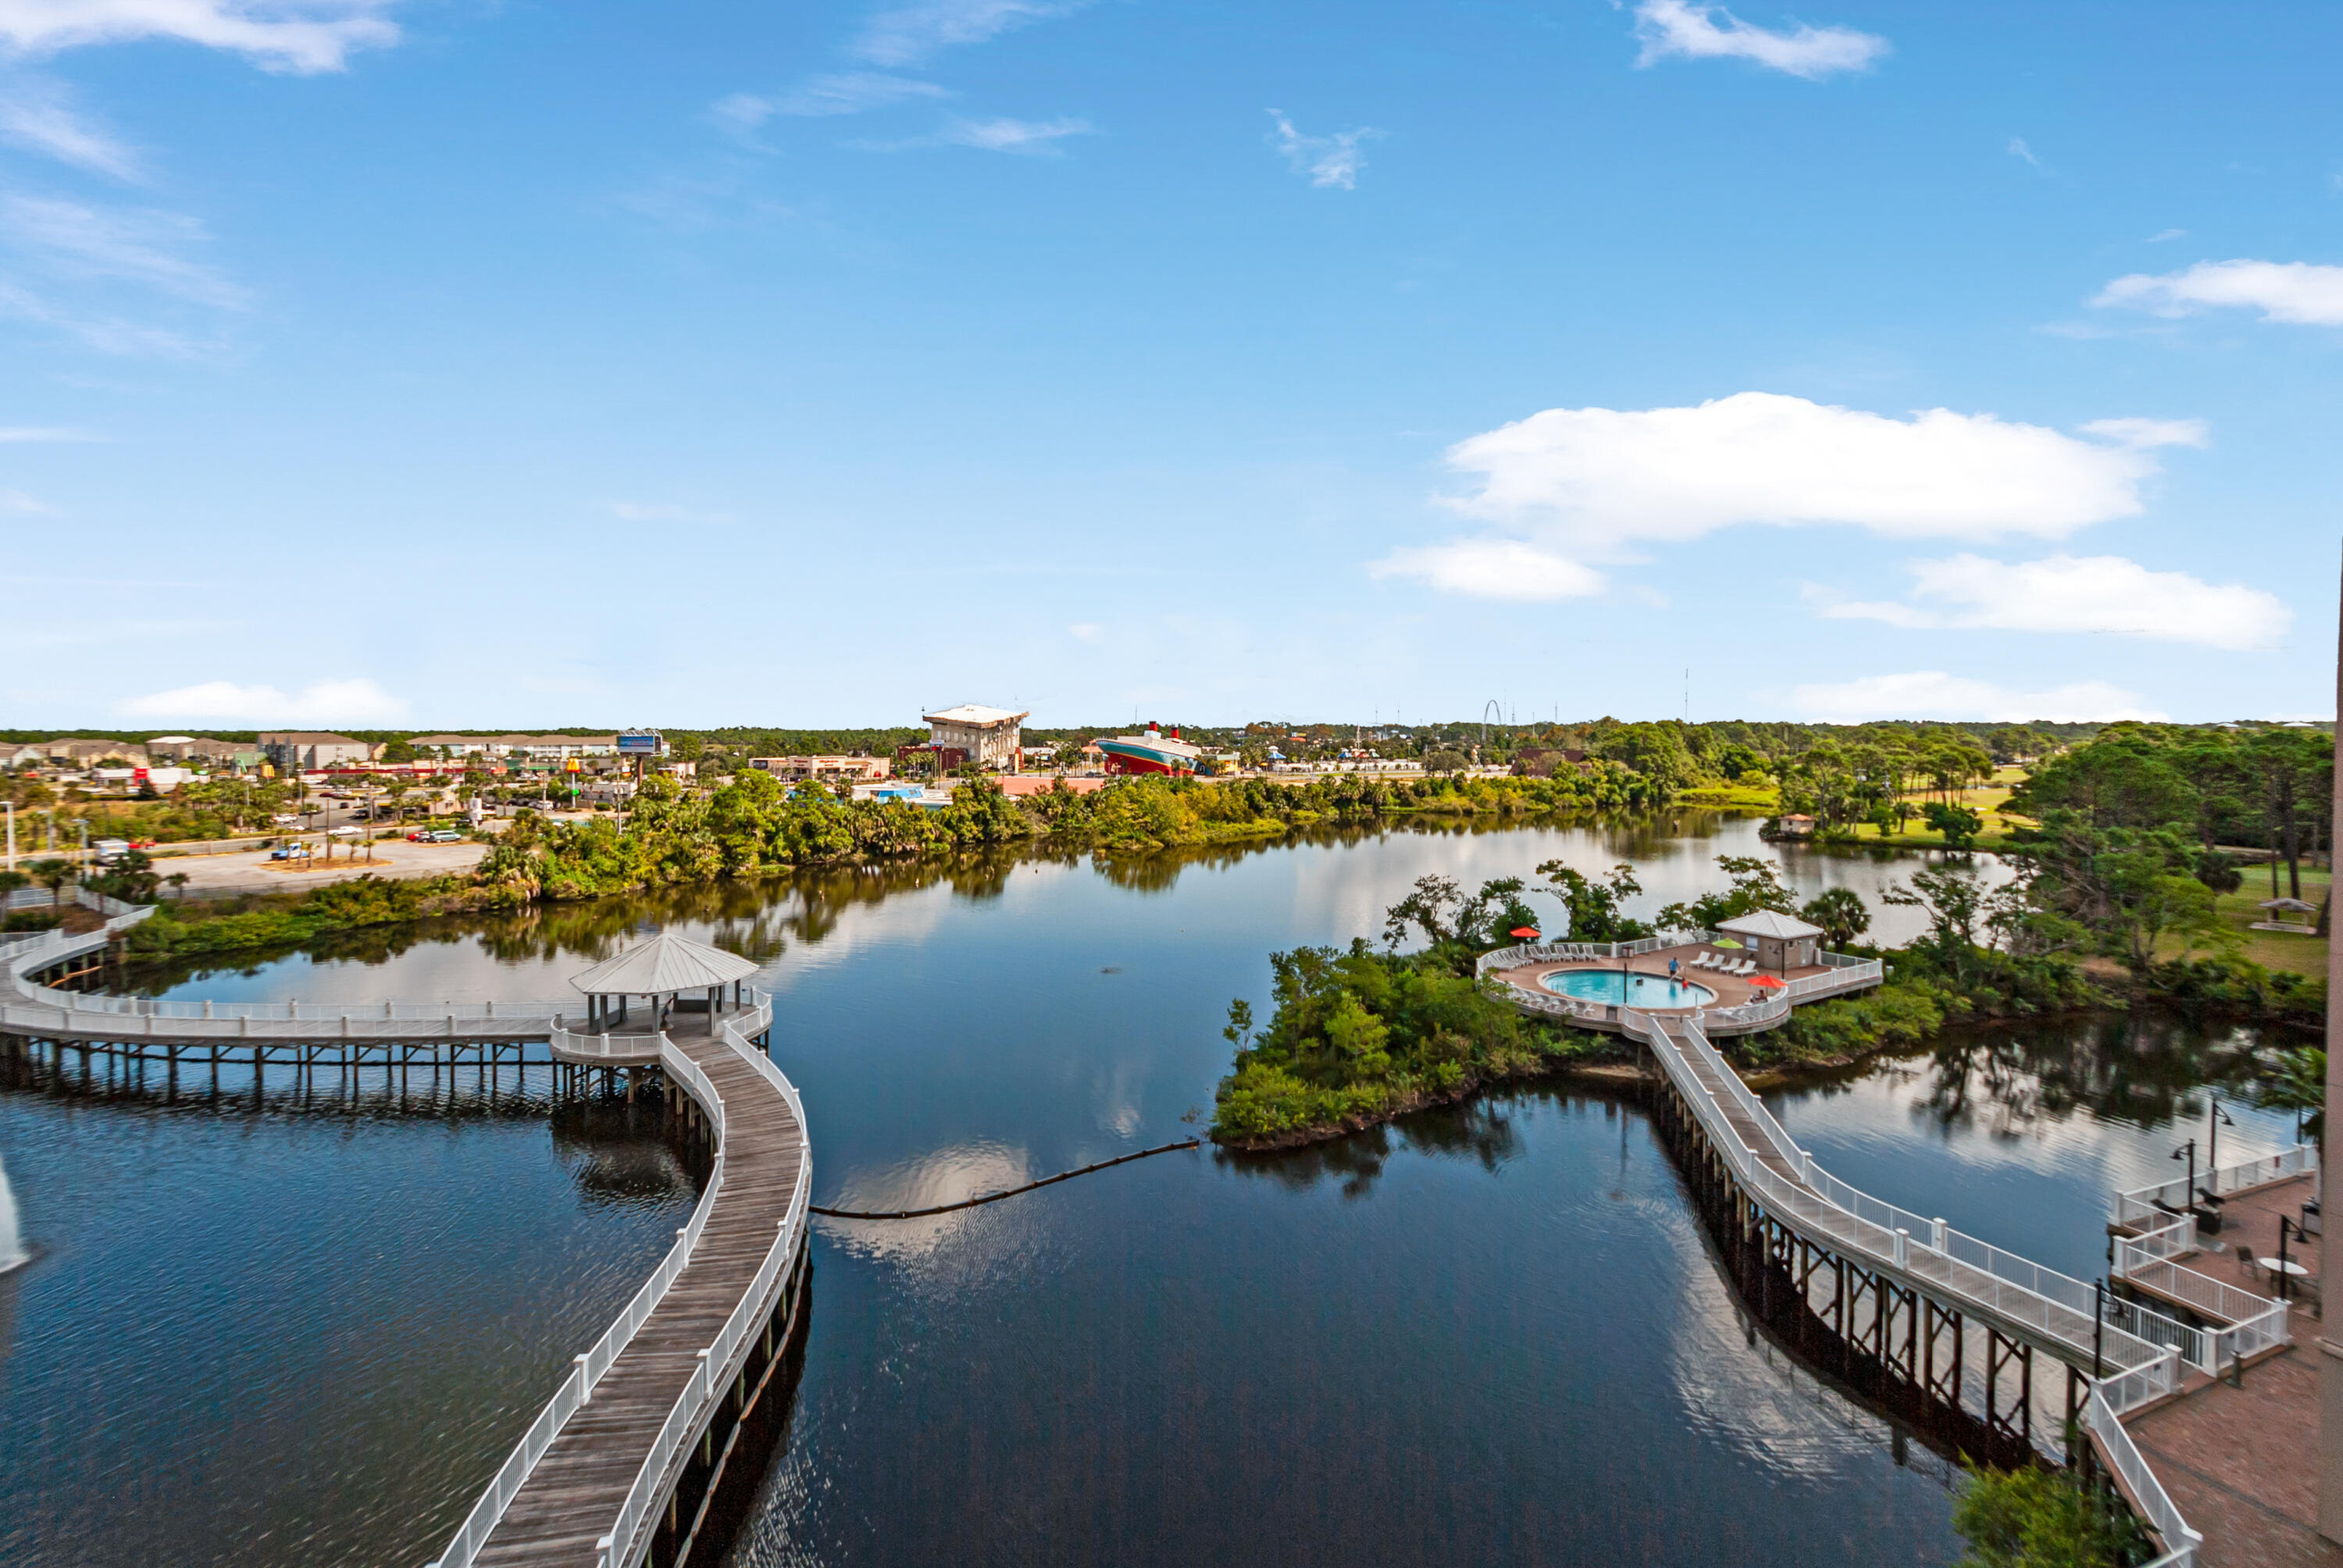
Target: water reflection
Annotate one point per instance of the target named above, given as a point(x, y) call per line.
point(1487, 1332)
point(294, 1329)
point(2019, 1135)
point(1481, 1131)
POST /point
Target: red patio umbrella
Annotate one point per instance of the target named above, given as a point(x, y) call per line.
point(1524, 932)
point(1768, 981)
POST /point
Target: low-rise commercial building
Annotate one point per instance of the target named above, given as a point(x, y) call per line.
point(310, 751)
point(527, 748)
point(828, 770)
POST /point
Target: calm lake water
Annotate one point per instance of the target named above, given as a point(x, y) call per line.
point(1489, 1335)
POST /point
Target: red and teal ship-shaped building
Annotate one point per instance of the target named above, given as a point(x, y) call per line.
point(1154, 752)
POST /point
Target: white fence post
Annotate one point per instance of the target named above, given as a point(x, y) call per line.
point(1903, 1246)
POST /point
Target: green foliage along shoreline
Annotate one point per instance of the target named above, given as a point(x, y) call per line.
point(751, 826)
point(1362, 1036)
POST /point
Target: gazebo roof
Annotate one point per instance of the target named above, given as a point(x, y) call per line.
point(665, 964)
point(1768, 923)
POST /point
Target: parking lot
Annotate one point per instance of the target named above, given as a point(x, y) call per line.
point(253, 872)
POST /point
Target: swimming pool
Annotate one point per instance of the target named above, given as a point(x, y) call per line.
point(1631, 991)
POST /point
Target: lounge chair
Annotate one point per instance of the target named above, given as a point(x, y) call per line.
point(1746, 967)
point(1704, 961)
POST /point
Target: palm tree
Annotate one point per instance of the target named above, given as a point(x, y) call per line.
point(52, 874)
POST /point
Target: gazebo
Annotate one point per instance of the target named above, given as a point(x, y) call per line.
point(2285, 915)
point(1781, 943)
point(661, 970)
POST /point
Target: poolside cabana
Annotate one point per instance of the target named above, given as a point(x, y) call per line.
point(1778, 942)
point(661, 971)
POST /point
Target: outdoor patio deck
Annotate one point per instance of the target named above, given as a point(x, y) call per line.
point(1731, 990)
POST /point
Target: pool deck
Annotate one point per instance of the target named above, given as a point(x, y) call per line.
point(1730, 992)
point(2241, 1460)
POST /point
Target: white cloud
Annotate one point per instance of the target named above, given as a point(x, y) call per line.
point(1007, 136)
point(107, 334)
point(1491, 568)
point(2143, 434)
point(909, 33)
point(1332, 163)
point(1672, 28)
point(35, 114)
point(133, 247)
point(1596, 479)
point(2019, 149)
point(1088, 631)
point(2162, 234)
point(43, 433)
point(17, 501)
point(657, 512)
point(1583, 487)
point(2290, 291)
point(2081, 593)
point(852, 91)
point(302, 36)
point(326, 702)
point(1932, 694)
point(741, 112)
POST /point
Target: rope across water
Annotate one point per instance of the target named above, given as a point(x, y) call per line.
point(996, 1197)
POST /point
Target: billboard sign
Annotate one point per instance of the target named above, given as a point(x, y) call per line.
point(640, 743)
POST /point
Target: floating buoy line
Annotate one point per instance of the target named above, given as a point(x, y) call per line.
point(996, 1197)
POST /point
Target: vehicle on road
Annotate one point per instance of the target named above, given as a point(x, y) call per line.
point(445, 836)
point(111, 850)
point(290, 852)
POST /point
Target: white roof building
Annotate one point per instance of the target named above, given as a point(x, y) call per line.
point(1769, 924)
point(1781, 943)
point(663, 966)
point(988, 735)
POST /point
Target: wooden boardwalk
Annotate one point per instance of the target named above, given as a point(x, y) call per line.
point(572, 1497)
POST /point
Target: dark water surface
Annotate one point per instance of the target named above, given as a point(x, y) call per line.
point(279, 1335)
point(1488, 1335)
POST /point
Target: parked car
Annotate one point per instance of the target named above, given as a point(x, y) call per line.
point(290, 852)
point(445, 836)
point(421, 836)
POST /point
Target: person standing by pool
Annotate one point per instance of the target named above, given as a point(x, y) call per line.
point(1671, 969)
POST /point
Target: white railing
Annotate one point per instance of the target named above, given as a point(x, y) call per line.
point(1955, 1267)
point(2268, 1330)
point(2153, 1205)
point(639, 1515)
point(31, 899)
point(1770, 1009)
point(586, 1370)
point(107, 904)
point(1929, 1232)
point(2103, 1416)
point(2200, 1293)
point(1849, 974)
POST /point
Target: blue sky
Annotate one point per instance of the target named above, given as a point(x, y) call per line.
point(377, 363)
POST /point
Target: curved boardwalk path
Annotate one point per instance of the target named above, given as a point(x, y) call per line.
point(618, 1468)
point(577, 1489)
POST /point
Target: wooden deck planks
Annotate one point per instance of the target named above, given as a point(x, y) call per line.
point(573, 1496)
